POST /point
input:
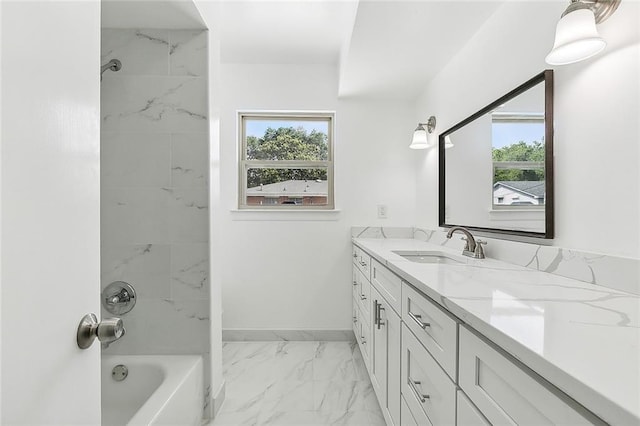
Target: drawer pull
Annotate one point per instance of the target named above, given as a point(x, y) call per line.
point(355, 320)
point(364, 342)
point(363, 263)
point(417, 318)
point(355, 255)
point(363, 297)
point(413, 384)
point(355, 283)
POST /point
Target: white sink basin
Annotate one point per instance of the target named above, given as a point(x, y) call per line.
point(430, 257)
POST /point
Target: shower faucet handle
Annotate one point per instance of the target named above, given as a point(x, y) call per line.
point(107, 331)
point(118, 298)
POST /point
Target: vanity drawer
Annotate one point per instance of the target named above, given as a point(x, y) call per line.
point(387, 283)
point(440, 336)
point(364, 339)
point(355, 285)
point(407, 418)
point(362, 261)
point(425, 386)
point(363, 294)
point(506, 394)
point(468, 414)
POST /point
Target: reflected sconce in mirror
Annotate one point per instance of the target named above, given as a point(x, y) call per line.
point(577, 37)
point(421, 135)
point(447, 142)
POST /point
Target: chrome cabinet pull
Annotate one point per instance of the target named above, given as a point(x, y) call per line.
point(413, 384)
point(363, 263)
point(380, 309)
point(355, 283)
point(375, 312)
point(417, 318)
point(355, 255)
point(363, 297)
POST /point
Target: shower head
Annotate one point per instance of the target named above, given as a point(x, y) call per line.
point(113, 65)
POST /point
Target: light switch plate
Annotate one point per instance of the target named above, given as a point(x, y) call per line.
point(382, 211)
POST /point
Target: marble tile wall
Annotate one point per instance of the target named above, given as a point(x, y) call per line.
point(154, 174)
point(615, 272)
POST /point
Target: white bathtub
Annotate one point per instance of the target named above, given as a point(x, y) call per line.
point(159, 390)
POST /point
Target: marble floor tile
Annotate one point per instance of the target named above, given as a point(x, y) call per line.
point(235, 418)
point(334, 360)
point(297, 383)
point(289, 396)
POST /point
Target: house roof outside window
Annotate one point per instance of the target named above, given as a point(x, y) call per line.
point(532, 188)
point(291, 188)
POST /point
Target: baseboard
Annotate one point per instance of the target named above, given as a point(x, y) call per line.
point(241, 335)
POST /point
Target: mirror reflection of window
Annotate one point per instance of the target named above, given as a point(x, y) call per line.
point(518, 159)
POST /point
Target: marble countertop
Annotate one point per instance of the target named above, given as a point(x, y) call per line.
point(581, 337)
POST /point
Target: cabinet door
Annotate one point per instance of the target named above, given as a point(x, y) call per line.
point(394, 351)
point(379, 354)
point(385, 365)
point(505, 393)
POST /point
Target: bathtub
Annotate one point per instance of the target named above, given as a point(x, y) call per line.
point(159, 390)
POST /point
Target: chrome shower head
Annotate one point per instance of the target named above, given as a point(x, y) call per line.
point(113, 65)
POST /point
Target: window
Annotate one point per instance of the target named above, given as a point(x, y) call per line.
point(286, 160)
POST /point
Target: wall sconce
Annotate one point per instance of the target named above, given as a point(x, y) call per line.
point(421, 135)
point(576, 35)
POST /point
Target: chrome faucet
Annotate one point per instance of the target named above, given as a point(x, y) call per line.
point(472, 247)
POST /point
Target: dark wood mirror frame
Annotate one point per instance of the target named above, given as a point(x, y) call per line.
point(546, 77)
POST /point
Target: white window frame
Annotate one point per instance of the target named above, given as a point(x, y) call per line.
point(245, 164)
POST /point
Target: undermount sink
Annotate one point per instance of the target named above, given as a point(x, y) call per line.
point(429, 257)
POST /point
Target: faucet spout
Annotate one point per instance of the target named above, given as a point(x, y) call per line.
point(470, 247)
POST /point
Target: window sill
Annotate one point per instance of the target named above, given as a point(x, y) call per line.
point(285, 215)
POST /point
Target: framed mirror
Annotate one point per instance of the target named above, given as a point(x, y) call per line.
point(496, 166)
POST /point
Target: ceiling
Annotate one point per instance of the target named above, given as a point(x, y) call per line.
point(384, 49)
point(166, 14)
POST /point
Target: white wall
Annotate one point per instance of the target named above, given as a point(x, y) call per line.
point(597, 104)
point(283, 271)
point(0, 206)
point(210, 12)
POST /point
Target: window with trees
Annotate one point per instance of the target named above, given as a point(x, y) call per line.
point(286, 160)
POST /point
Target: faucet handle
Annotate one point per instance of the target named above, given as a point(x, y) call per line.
point(466, 243)
point(479, 251)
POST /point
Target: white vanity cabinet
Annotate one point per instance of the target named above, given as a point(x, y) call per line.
point(428, 368)
point(377, 329)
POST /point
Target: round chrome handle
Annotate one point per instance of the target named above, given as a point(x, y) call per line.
point(108, 330)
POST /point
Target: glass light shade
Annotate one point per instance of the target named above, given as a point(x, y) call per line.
point(576, 38)
point(419, 140)
point(447, 142)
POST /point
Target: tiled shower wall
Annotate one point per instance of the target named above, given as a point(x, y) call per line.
point(154, 173)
